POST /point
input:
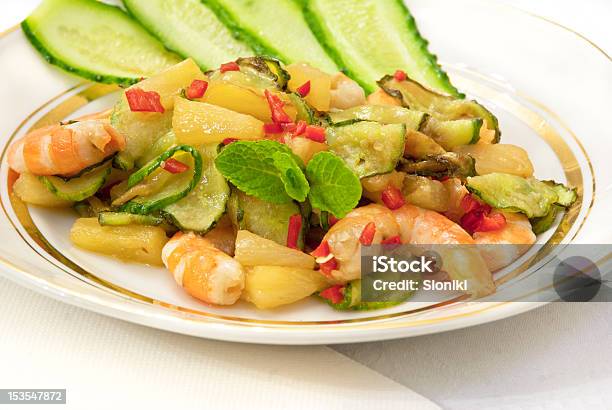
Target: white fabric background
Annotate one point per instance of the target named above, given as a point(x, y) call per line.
point(557, 357)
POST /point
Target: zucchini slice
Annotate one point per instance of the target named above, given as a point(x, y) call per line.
point(544, 223)
point(304, 111)
point(368, 148)
point(263, 218)
point(205, 205)
point(81, 187)
point(371, 38)
point(275, 28)
point(177, 187)
point(268, 68)
point(95, 41)
point(512, 193)
point(452, 133)
point(190, 29)
point(124, 218)
point(384, 114)
point(443, 107)
point(352, 295)
point(449, 164)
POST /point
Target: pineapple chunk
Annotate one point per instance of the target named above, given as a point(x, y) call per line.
point(305, 148)
point(380, 97)
point(133, 243)
point(253, 250)
point(199, 123)
point(320, 84)
point(30, 190)
point(243, 100)
point(272, 286)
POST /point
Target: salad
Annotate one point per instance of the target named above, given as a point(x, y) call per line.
point(262, 180)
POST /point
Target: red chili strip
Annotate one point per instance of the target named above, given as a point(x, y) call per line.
point(331, 220)
point(293, 232)
point(276, 108)
point(329, 266)
point(196, 89)
point(304, 89)
point(393, 240)
point(272, 128)
point(367, 235)
point(140, 100)
point(231, 66)
point(173, 166)
point(334, 294)
point(321, 251)
point(315, 133)
point(228, 141)
point(392, 198)
point(400, 75)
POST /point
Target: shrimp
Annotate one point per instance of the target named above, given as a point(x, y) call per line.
point(461, 260)
point(65, 149)
point(345, 93)
point(502, 247)
point(343, 238)
point(204, 271)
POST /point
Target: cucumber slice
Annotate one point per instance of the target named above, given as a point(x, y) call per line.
point(544, 223)
point(368, 148)
point(304, 111)
point(265, 219)
point(176, 188)
point(190, 29)
point(452, 133)
point(371, 38)
point(124, 218)
point(205, 205)
point(448, 164)
point(416, 96)
point(96, 41)
point(79, 188)
point(269, 69)
point(516, 194)
point(161, 145)
point(380, 113)
point(273, 27)
point(565, 196)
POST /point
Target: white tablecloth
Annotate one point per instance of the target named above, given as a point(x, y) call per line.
point(557, 357)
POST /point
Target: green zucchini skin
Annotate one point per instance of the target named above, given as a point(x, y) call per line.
point(383, 114)
point(124, 218)
point(448, 164)
point(144, 206)
point(78, 188)
point(29, 27)
point(452, 133)
point(255, 36)
point(316, 18)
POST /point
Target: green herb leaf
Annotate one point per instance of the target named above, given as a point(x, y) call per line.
point(333, 186)
point(292, 176)
point(250, 166)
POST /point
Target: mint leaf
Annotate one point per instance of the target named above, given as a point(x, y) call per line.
point(250, 166)
point(333, 186)
point(292, 176)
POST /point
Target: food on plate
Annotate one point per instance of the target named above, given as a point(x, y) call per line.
point(262, 179)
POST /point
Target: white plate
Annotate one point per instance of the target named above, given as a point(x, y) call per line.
point(549, 87)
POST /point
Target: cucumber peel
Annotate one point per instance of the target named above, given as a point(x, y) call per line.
point(81, 187)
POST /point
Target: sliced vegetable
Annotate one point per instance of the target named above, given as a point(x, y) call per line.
point(268, 220)
point(452, 133)
point(176, 188)
point(565, 196)
point(421, 146)
point(303, 110)
point(31, 190)
point(276, 29)
point(95, 40)
point(515, 194)
point(200, 210)
point(392, 198)
point(143, 129)
point(252, 250)
point(267, 69)
point(133, 243)
point(140, 100)
point(368, 148)
point(417, 97)
point(268, 287)
point(384, 114)
point(197, 89)
point(190, 29)
point(449, 164)
point(319, 96)
point(544, 223)
point(79, 188)
point(504, 158)
point(348, 297)
point(124, 218)
point(426, 193)
point(200, 123)
point(161, 145)
point(371, 38)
